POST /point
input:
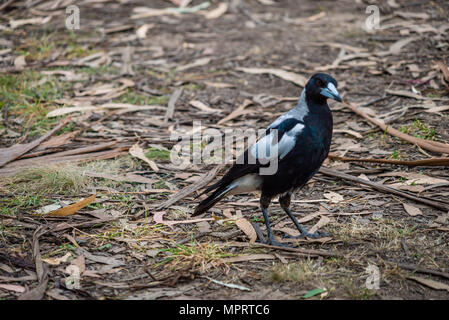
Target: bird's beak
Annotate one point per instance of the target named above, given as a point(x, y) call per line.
point(331, 92)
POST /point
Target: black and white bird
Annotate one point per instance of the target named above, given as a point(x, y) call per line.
point(302, 144)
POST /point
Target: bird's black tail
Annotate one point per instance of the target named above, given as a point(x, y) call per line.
point(211, 200)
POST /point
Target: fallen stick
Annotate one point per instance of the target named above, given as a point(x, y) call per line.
point(425, 162)
point(204, 180)
point(102, 155)
point(425, 144)
point(414, 268)
point(439, 204)
point(15, 151)
point(303, 251)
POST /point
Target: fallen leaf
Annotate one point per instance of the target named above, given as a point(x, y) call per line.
point(218, 84)
point(58, 261)
point(248, 257)
point(229, 285)
point(66, 74)
point(217, 12)
point(247, 228)
point(100, 259)
point(12, 287)
point(20, 62)
point(407, 15)
point(437, 109)
point(286, 75)
point(15, 151)
point(158, 218)
point(125, 106)
point(431, 283)
point(407, 94)
point(237, 112)
point(137, 152)
point(411, 210)
point(172, 103)
point(267, 2)
point(73, 208)
point(203, 181)
point(142, 30)
point(49, 208)
point(36, 293)
point(80, 263)
point(58, 141)
point(350, 132)
point(414, 178)
point(144, 12)
point(396, 47)
point(129, 177)
point(21, 22)
point(196, 63)
point(203, 226)
point(321, 223)
point(199, 105)
point(313, 292)
point(334, 197)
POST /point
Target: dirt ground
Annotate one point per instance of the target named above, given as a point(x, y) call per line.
point(140, 75)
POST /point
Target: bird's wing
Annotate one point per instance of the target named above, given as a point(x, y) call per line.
point(280, 138)
point(278, 141)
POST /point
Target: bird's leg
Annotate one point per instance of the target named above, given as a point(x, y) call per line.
point(264, 203)
point(284, 201)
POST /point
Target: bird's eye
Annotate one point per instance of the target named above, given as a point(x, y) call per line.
point(319, 83)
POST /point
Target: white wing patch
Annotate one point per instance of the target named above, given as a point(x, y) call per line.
point(264, 149)
point(288, 140)
point(267, 149)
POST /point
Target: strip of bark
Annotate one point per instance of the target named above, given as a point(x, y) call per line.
point(425, 144)
point(424, 162)
point(439, 204)
point(303, 251)
point(203, 181)
point(13, 152)
point(414, 268)
point(10, 170)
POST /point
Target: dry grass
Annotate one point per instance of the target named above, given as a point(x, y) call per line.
point(301, 272)
point(55, 179)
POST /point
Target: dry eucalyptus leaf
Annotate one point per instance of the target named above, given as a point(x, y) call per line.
point(247, 228)
point(58, 261)
point(431, 283)
point(199, 105)
point(411, 210)
point(137, 152)
point(217, 12)
point(321, 223)
point(334, 197)
point(20, 62)
point(21, 22)
point(12, 287)
point(286, 75)
point(73, 208)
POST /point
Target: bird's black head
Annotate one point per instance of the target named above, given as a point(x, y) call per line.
point(322, 86)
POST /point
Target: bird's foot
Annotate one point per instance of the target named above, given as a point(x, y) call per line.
point(279, 244)
point(275, 243)
point(306, 234)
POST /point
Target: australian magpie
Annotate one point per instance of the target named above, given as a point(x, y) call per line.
point(299, 141)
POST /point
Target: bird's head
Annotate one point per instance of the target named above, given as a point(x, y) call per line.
point(322, 86)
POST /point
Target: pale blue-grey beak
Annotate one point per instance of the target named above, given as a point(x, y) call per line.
point(331, 92)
